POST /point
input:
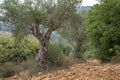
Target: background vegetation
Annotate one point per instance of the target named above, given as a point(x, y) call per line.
point(92, 34)
point(104, 29)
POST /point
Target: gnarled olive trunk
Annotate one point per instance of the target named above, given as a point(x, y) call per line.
point(40, 55)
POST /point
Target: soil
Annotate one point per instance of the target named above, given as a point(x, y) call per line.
point(90, 70)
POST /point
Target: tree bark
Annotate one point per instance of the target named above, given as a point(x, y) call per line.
point(40, 56)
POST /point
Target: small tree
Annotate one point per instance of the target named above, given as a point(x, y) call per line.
point(76, 35)
point(39, 17)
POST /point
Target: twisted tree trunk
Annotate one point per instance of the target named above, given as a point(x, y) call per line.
point(40, 54)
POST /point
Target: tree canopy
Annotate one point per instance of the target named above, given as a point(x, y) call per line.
point(39, 17)
point(27, 13)
point(76, 35)
point(104, 28)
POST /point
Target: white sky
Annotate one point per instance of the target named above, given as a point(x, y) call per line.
point(85, 2)
point(89, 2)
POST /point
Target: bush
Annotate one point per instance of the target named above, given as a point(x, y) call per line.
point(103, 28)
point(89, 51)
point(28, 65)
point(65, 46)
point(67, 50)
point(116, 59)
point(9, 51)
point(55, 56)
point(33, 70)
point(117, 50)
point(7, 70)
point(10, 69)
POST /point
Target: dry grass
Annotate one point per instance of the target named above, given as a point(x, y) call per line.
point(78, 71)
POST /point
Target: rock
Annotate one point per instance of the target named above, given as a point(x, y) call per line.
point(39, 73)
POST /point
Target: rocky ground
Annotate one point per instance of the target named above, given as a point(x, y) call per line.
point(79, 71)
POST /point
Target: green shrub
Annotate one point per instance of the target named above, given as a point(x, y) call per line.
point(116, 59)
point(55, 56)
point(67, 50)
point(103, 28)
point(65, 46)
point(9, 51)
point(89, 51)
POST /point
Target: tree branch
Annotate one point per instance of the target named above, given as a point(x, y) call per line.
point(48, 34)
point(36, 32)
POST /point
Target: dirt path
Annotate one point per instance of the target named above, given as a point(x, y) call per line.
point(81, 71)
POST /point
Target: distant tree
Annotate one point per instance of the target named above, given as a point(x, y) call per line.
point(103, 28)
point(76, 35)
point(39, 17)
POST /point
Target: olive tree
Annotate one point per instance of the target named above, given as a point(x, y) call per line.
point(40, 18)
point(76, 35)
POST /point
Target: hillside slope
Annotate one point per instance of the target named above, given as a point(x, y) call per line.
point(80, 71)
